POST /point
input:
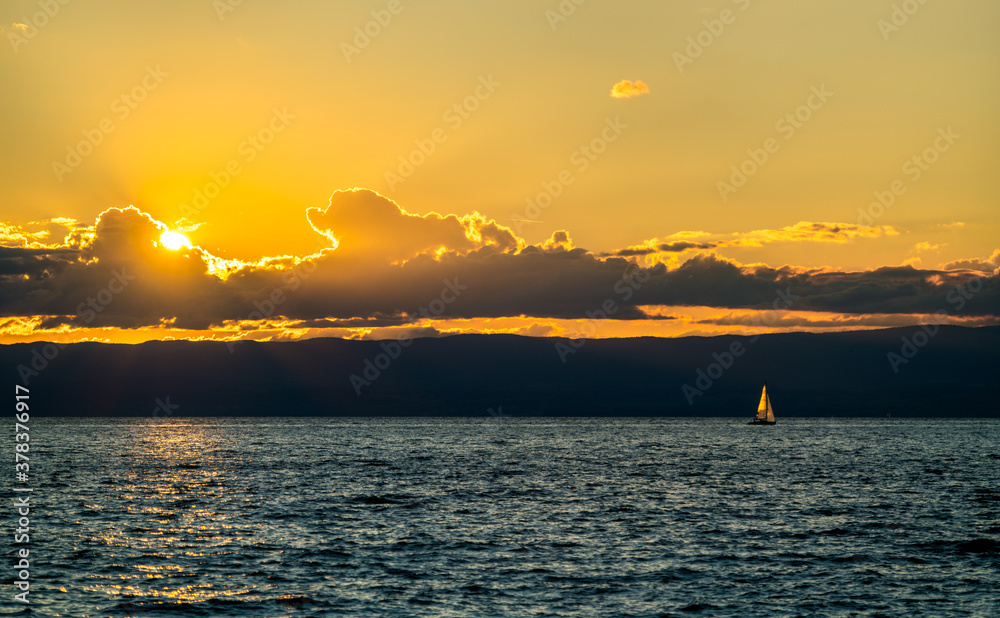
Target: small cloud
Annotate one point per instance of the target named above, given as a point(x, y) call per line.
point(926, 246)
point(626, 89)
point(188, 226)
point(812, 231)
point(559, 240)
point(536, 330)
point(988, 265)
point(21, 27)
point(803, 231)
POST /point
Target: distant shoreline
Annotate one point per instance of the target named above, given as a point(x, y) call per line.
point(844, 374)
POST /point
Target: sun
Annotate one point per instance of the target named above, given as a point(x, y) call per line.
point(174, 241)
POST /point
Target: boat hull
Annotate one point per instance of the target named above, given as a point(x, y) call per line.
point(756, 422)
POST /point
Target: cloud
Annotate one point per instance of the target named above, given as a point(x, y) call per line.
point(21, 27)
point(32, 263)
point(791, 319)
point(810, 231)
point(655, 247)
point(803, 231)
point(536, 330)
point(51, 233)
point(393, 268)
point(406, 333)
point(988, 265)
point(711, 281)
point(366, 225)
point(559, 240)
point(116, 275)
point(626, 89)
point(926, 246)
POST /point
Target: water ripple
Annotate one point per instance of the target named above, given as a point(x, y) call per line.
point(553, 517)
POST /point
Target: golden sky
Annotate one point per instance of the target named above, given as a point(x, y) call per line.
point(726, 147)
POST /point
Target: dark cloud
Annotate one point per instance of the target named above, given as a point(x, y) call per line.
point(989, 265)
point(29, 261)
point(422, 332)
point(803, 231)
point(15, 252)
point(707, 280)
point(667, 247)
point(390, 268)
point(369, 322)
point(121, 278)
point(792, 320)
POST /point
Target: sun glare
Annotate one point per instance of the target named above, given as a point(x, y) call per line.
point(174, 241)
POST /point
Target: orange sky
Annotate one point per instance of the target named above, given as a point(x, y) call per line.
point(727, 147)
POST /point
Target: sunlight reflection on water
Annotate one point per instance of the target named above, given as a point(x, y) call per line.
point(265, 517)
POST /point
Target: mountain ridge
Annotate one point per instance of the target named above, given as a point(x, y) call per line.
point(946, 371)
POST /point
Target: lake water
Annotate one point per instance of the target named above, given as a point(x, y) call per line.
point(499, 516)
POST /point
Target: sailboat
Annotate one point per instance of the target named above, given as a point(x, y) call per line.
point(765, 415)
